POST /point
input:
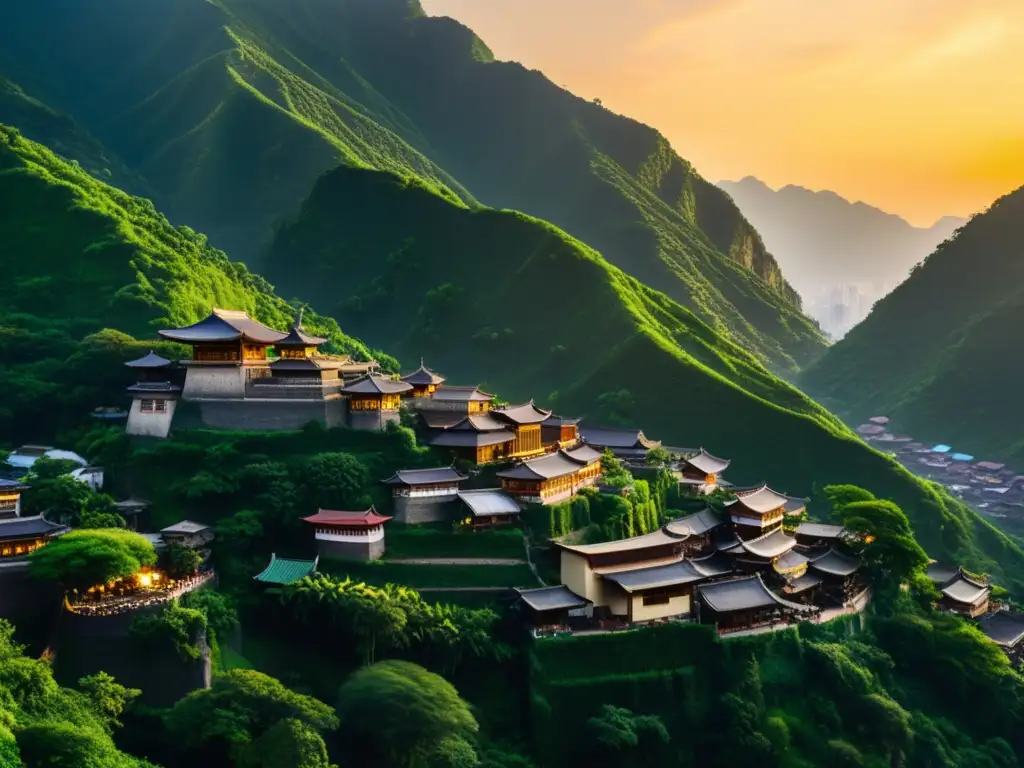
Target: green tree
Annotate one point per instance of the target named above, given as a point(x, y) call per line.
point(290, 743)
point(658, 457)
point(453, 752)
point(219, 609)
point(890, 548)
point(336, 481)
point(180, 560)
point(83, 558)
point(109, 698)
point(402, 711)
point(58, 744)
point(173, 627)
point(841, 495)
point(621, 738)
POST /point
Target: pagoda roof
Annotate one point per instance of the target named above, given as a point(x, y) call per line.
point(657, 576)
point(760, 501)
point(24, 527)
point(795, 505)
point(583, 454)
point(695, 524)
point(281, 570)
point(297, 337)
point(802, 583)
point(820, 530)
point(715, 564)
point(527, 413)
point(152, 360)
point(743, 595)
point(423, 377)
point(441, 419)
point(708, 464)
point(557, 598)
point(372, 384)
point(789, 562)
point(185, 527)
point(942, 573)
point(365, 519)
point(560, 421)
point(425, 476)
point(658, 538)
point(836, 563)
point(617, 438)
point(461, 394)
point(478, 422)
point(558, 464)
point(452, 438)
point(489, 501)
point(10, 486)
point(225, 325)
point(770, 545)
point(1004, 628)
point(966, 590)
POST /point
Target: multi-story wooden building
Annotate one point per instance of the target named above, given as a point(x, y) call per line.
point(465, 400)
point(840, 574)
point(702, 471)
point(424, 382)
point(627, 444)
point(477, 438)
point(558, 432)
point(374, 401)
point(745, 603)
point(756, 512)
point(154, 394)
point(525, 422)
point(354, 535)
point(553, 478)
point(696, 531)
point(425, 495)
point(10, 498)
point(21, 535)
point(966, 595)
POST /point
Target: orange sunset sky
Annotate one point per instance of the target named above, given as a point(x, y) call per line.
point(916, 106)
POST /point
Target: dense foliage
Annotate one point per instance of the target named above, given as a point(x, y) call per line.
point(86, 558)
point(933, 354)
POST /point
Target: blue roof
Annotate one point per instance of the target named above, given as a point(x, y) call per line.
point(962, 457)
point(940, 448)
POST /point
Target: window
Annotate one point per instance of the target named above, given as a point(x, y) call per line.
point(147, 406)
point(656, 599)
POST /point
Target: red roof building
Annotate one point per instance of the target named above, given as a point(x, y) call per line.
point(349, 535)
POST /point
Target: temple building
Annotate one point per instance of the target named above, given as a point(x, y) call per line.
point(961, 593)
point(425, 495)
point(21, 535)
point(550, 610)
point(188, 534)
point(464, 400)
point(1006, 629)
point(424, 382)
point(757, 512)
point(840, 574)
point(819, 534)
point(763, 552)
point(745, 603)
point(10, 498)
point(154, 396)
point(134, 512)
point(696, 531)
point(627, 444)
point(489, 508)
point(478, 438)
point(553, 478)
point(558, 432)
point(281, 571)
point(353, 535)
point(374, 401)
point(525, 422)
point(702, 471)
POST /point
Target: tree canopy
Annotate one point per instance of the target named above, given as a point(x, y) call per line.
point(84, 558)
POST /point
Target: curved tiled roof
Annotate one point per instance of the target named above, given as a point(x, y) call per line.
point(617, 438)
point(490, 501)
point(423, 377)
point(836, 563)
point(695, 524)
point(583, 454)
point(761, 501)
point(372, 384)
point(281, 570)
point(365, 519)
point(527, 413)
point(771, 545)
point(743, 594)
point(452, 438)
point(478, 422)
point(225, 325)
point(715, 564)
point(557, 464)
point(1003, 628)
point(789, 562)
point(820, 530)
point(425, 476)
point(669, 575)
point(551, 598)
point(966, 590)
point(297, 337)
point(461, 394)
point(21, 527)
point(708, 464)
point(152, 360)
point(657, 538)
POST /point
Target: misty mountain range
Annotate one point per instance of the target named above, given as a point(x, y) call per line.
point(839, 255)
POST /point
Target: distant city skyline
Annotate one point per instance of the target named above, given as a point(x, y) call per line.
point(913, 106)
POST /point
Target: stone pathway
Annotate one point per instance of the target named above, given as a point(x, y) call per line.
point(457, 560)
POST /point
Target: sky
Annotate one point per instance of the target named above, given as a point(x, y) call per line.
point(915, 106)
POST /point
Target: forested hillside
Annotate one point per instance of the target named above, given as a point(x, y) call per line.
point(547, 317)
point(228, 111)
point(79, 257)
point(940, 354)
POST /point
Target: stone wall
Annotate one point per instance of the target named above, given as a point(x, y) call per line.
point(150, 424)
point(372, 421)
point(427, 509)
point(205, 381)
point(372, 550)
point(263, 415)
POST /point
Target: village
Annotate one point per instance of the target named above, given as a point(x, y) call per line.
point(741, 559)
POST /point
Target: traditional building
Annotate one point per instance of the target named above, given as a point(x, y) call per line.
point(281, 571)
point(629, 444)
point(297, 344)
point(373, 401)
point(819, 534)
point(134, 513)
point(478, 438)
point(464, 400)
point(756, 512)
point(696, 531)
point(553, 478)
point(353, 535)
point(21, 535)
point(424, 382)
point(796, 506)
point(154, 396)
point(763, 552)
point(548, 610)
point(188, 534)
point(702, 471)
point(745, 603)
point(525, 422)
point(424, 495)
point(558, 432)
point(10, 498)
point(1006, 629)
point(489, 507)
point(965, 594)
point(840, 574)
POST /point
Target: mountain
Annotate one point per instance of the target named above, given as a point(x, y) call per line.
point(546, 316)
point(230, 110)
point(840, 256)
point(940, 354)
point(80, 257)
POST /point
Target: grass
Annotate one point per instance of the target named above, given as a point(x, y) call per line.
point(429, 576)
point(438, 540)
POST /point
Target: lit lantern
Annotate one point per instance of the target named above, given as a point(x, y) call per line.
point(145, 579)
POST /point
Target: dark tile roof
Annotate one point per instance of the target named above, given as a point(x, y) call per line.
point(802, 584)
point(458, 439)
point(22, 527)
point(836, 563)
point(820, 530)
point(795, 504)
point(617, 438)
point(761, 501)
point(12, 485)
point(942, 573)
point(280, 570)
point(297, 337)
point(770, 545)
point(425, 476)
point(583, 454)
point(372, 384)
point(478, 422)
point(789, 562)
point(669, 575)
point(154, 387)
point(742, 595)
point(966, 590)
point(708, 464)
point(489, 501)
point(461, 394)
point(551, 598)
point(552, 465)
point(185, 526)
point(152, 360)
point(422, 377)
point(225, 325)
point(715, 564)
point(527, 413)
point(658, 538)
point(441, 419)
point(695, 524)
point(560, 421)
point(1005, 628)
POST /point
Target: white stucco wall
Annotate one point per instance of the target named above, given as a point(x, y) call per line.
point(676, 606)
point(150, 424)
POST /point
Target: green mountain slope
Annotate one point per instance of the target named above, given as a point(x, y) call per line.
point(230, 110)
point(79, 256)
point(940, 354)
point(545, 316)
